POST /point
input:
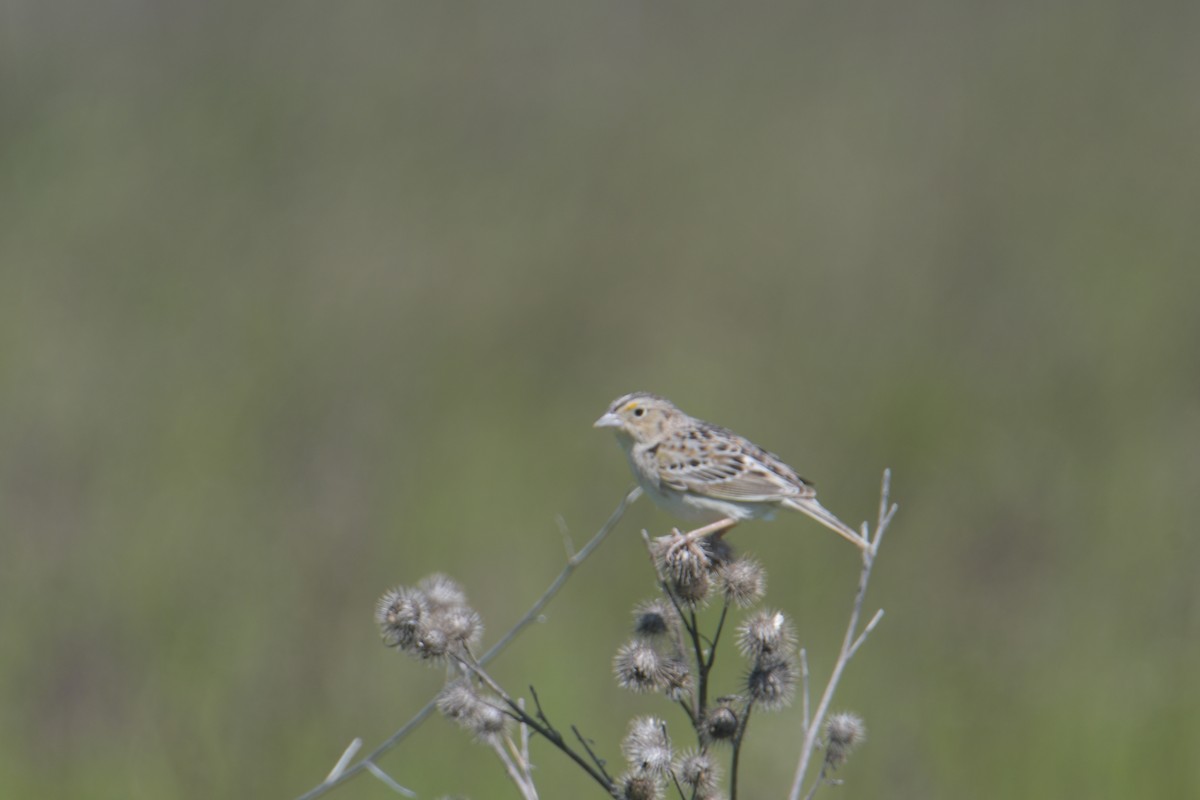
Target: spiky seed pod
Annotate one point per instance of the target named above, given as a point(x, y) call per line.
point(693, 591)
point(647, 748)
point(429, 621)
point(460, 624)
point(639, 667)
point(460, 702)
point(721, 721)
point(719, 550)
point(653, 617)
point(686, 564)
point(400, 613)
point(442, 591)
point(492, 721)
point(640, 787)
point(677, 677)
point(771, 682)
point(843, 732)
point(743, 582)
point(697, 771)
point(766, 633)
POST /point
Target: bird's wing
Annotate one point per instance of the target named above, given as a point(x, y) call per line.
point(728, 468)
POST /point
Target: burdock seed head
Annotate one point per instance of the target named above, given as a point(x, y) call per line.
point(766, 633)
point(844, 732)
point(647, 748)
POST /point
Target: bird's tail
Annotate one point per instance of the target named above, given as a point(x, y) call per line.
point(821, 514)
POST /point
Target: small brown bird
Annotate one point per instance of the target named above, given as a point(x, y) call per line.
point(703, 472)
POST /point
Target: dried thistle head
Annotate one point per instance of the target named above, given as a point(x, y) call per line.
point(720, 551)
point(721, 722)
point(460, 701)
point(400, 612)
point(654, 618)
point(442, 592)
point(743, 582)
point(766, 633)
point(647, 748)
point(640, 667)
point(696, 770)
point(843, 732)
point(677, 677)
point(639, 787)
point(428, 621)
point(686, 564)
point(771, 682)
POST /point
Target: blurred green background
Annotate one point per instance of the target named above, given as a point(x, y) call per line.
point(303, 300)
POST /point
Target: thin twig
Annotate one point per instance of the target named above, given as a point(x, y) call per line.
point(525, 759)
point(543, 727)
point(804, 685)
point(526, 789)
point(388, 781)
point(600, 762)
point(520, 752)
point(862, 637)
point(737, 750)
point(812, 790)
point(712, 653)
point(530, 616)
point(574, 561)
point(852, 640)
point(349, 753)
point(704, 665)
point(537, 703)
point(691, 714)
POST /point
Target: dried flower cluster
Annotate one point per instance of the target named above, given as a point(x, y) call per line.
point(768, 639)
point(653, 765)
point(461, 702)
point(668, 653)
point(653, 660)
point(429, 621)
point(693, 568)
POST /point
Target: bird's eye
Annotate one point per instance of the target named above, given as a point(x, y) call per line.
point(637, 412)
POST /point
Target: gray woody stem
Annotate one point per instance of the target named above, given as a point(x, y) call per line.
point(853, 638)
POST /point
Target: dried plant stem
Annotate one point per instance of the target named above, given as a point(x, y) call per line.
point(804, 684)
point(367, 764)
point(851, 641)
point(735, 759)
point(516, 759)
point(540, 724)
point(587, 745)
point(519, 777)
point(812, 790)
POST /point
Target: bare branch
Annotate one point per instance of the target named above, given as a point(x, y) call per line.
point(515, 773)
point(340, 766)
point(853, 638)
point(387, 780)
point(804, 685)
point(587, 745)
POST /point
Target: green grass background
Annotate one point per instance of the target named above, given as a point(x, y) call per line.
point(302, 300)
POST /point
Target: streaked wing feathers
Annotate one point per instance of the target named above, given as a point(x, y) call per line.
point(722, 465)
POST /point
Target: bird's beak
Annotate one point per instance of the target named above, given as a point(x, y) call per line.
point(609, 420)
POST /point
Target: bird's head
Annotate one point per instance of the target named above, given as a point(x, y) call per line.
point(642, 417)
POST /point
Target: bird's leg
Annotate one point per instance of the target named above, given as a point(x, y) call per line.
point(715, 529)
